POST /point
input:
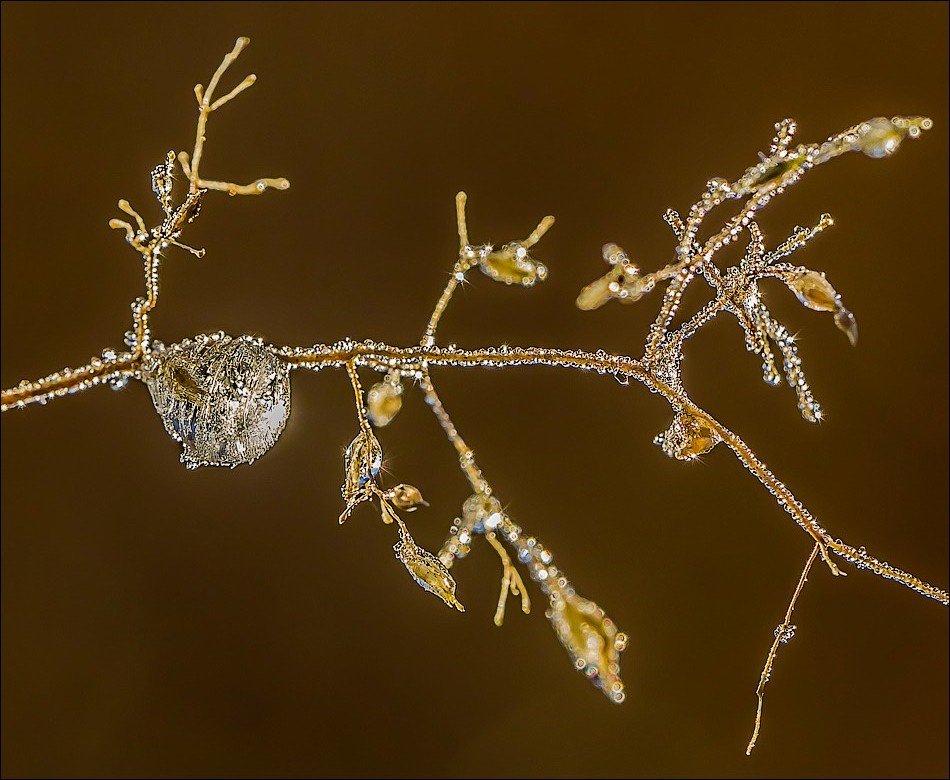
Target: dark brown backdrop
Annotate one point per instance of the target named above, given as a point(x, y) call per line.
point(157, 621)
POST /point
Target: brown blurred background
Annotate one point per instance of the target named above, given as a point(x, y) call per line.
point(163, 622)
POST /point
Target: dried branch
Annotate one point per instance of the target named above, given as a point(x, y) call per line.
point(226, 399)
point(784, 632)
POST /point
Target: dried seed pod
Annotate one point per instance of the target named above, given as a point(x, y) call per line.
point(879, 137)
point(512, 265)
point(687, 438)
point(406, 497)
point(361, 463)
point(815, 291)
point(426, 569)
point(225, 399)
point(591, 639)
point(383, 402)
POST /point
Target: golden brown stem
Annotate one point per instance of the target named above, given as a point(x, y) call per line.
point(418, 359)
point(781, 636)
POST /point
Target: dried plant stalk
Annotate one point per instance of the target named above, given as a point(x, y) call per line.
point(226, 399)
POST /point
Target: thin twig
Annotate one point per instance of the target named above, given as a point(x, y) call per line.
point(783, 633)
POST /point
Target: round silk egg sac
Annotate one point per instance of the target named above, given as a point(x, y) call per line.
point(225, 399)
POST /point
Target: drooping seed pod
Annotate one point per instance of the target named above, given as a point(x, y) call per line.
point(591, 638)
point(814, 291)
point(406, 497)
point(361, 463)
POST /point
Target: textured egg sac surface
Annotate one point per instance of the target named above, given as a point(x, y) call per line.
point(225, 399)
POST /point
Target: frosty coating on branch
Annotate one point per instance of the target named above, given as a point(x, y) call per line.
point(226, 399)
